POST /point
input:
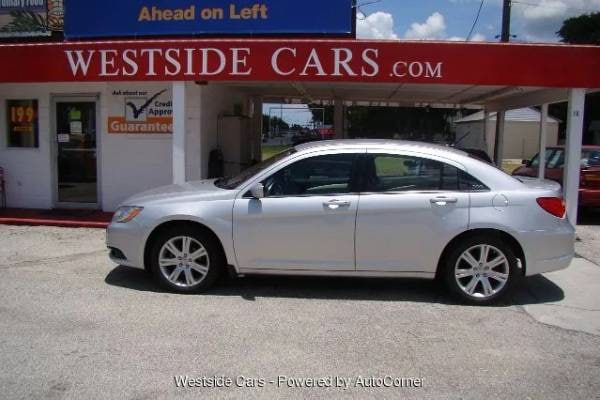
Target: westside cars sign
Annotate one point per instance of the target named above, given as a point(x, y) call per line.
point(207, 62)
point(304, 60)
point(118, 18)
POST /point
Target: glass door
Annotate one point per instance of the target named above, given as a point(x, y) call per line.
point(77, 177)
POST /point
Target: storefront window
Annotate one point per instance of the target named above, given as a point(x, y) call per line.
point(22, 123)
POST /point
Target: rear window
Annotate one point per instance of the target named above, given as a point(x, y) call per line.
point(398, 173)
point(555, 158)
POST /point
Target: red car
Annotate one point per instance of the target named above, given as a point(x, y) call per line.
point(589, 185)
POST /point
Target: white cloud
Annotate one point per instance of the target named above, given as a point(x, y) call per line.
point(478, 37)
point(539, 20)
point(379, 25)
point(433, 28)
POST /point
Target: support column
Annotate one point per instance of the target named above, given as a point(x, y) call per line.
point(486, 130)
point(257, 129)
point(179, 132)
point(572, 168)
point(499, 139)
point(338, 119)
point(543, 141)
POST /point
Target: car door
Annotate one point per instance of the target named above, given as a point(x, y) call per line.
point(306, 220)
point(410, 208)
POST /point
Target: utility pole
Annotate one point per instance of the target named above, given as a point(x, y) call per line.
point(499, 136)
point(505, 35)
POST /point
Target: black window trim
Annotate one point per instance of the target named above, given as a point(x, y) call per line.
point(361, 171)
point(353, 178)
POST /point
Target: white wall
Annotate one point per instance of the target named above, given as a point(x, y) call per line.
point(521, 139)
point(131, 163)
point(30, 171)
point(193, 142)
point(217, 99)
point(128, 164)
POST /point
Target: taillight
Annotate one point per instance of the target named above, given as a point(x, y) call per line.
point(553, 205)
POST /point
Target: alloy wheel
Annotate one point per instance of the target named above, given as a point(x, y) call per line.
point(184, 261)
point(482, 271)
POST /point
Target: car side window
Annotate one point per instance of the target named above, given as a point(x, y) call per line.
point(468, 183)
point(320, 175)
point(399, 173)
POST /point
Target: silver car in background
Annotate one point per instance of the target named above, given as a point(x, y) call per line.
point(351, 208)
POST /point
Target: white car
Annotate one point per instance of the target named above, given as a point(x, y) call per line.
point(351, 208)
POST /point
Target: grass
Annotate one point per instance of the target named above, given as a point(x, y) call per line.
point(270, 151)
point(510, 165)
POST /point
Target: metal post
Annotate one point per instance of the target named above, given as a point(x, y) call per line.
point(572, 167)
point(338, 118)
point(257, 129)
point(543, 141)
point(499, 139)
point(179, 132)
point(486, 130)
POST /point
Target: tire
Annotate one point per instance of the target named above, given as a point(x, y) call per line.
point(479, 280)
point(180, 271)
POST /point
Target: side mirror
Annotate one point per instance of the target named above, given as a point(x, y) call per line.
point(258, 191)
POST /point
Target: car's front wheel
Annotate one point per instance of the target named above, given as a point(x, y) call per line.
point(185, 259)
point(481, 270)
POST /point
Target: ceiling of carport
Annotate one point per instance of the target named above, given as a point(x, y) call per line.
point(402, 95)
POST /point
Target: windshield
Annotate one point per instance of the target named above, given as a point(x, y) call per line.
point(555, 158)
point(234, 182)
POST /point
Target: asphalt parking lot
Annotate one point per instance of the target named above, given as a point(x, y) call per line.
point(73, 326)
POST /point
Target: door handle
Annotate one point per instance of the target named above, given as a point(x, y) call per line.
point(335, 204)
point(442, 201)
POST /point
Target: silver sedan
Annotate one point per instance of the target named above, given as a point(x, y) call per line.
point(351, 208)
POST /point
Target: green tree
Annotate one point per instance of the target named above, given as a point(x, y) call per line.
point(274, 124)
point(584, 29)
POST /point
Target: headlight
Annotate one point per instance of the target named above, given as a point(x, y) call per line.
point(126, 214)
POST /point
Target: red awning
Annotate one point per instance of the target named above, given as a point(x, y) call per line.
point(264, 60)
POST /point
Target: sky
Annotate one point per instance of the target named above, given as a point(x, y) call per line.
point(532, 21)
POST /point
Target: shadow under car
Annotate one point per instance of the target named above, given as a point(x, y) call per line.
point(530, 290)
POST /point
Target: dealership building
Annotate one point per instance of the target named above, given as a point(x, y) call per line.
point(137, 94)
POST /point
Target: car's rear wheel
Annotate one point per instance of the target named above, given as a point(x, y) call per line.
point(481, 270)
point(185, 259)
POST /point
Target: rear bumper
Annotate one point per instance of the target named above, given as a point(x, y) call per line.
point(589, 197)
point(550, 250)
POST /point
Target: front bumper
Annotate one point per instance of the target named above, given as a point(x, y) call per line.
point(126, 244)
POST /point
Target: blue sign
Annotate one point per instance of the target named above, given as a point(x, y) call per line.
point(123, 18)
